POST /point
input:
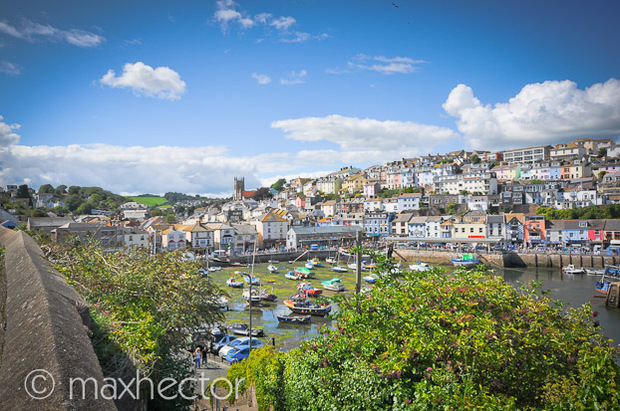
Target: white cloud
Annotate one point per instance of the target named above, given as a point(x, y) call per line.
point(381, 64)
point(7, 135)
point(283, 23)
point(353, 134)
point(540, 113)
point(294, 77)
point(161, 82)
point(262, 18)
point(261, 78)
point(32, 32)
point(9, 68)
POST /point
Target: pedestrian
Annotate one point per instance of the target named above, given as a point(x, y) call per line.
point(205, 353)
point(197, 357)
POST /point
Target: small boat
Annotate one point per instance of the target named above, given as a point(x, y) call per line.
point(602, 286)
point(256, 295)
point(330, 260)
point(595, 271)
point(316, 262)
point(420, 267)
point(339, 269)
point(304, 272)
point(333, 285)
point(300, 304)
point(244, 329)
point(309, 265)
point(291, 276)
point(612, 270)
point(234, 283)
point(466, 260)
point(371, 278)
point(220, 302)
point(368, 266)
point(571, 269)
point(307, 288)
point(251, 279)
point(294, 319)
point(273, 261)
point(353, 266)
point(268, 297)
point(272, 268)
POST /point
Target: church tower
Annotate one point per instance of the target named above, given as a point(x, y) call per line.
point(239, 186)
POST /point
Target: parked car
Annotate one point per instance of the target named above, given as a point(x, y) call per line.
point(239, 343)
point(224, 340)
point(237, 355)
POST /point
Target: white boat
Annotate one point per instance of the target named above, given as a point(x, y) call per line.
point(256, 295)
point(339, 269)
point(571, 269)
point(330, 261)
point(309, 265)
point(371, 278)
point(420, 267)
point(272, 268)
point(595, 271)
point(333, 285)
point(353, 266)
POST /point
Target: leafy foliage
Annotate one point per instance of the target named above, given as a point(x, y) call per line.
point(279, 185)
point(607, 211)
point(143, 308)
point(470, 340)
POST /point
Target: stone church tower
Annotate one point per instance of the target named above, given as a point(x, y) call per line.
point(239, 186)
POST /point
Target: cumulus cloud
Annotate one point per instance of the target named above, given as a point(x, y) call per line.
point(365, 135)
point(161, 82)
point(283, 23)
point(539, 113)
point(261, 78)
point(9, 68)
point(7, 135)
point(381, 64)
point(294, 77)
point(32, 32)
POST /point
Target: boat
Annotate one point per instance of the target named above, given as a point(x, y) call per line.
point(307, 288)
point(256, 295)
point(300, 304)
point(333, 285)
point(602, 286)
point(304, 272)
point(466, 260)
point(371, 278)
point(353, 266)
point(273, 261)
point(272, 268)
point(294, 319)
point(244, 329)
point(309, 265)
point(253, 281)
point(268, 297)
point(595, 271)
point(571, 269)
point(330, 260)
point(368, 266)
point(316, 262)
point(339, 269)
point(420, 267)
point(234, 283)
point(612, 270)
point(292, 276)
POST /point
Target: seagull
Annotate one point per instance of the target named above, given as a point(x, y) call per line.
point(395, 5)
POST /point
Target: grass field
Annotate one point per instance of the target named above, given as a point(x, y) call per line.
point(149, 201)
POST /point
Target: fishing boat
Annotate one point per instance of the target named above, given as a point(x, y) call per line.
point(300, 304)
point(234, 283)
point(291, 276)
point(339, 269)
point(316, 262)
point(272, 268)
point(304, 272)
point(244, 329)
point(307, 288)
point(602, 286)
point(294, 319)
point(466, 260)
point(571, 269)
point(254, 292)
point(371, 278)
point(251, 279)
point(333, 285)
point(420, 267)
point(268, 296)
point(309, 265)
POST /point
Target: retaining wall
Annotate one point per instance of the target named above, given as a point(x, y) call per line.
point(45, 329)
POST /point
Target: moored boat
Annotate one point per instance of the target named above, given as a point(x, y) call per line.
point(304, 272)
point(466, 260)
point(294, 319)
point(595, 271)
point(371, 278)
point(307, 288)
point(316, 262)
point(291, 276)
point(234, 283)
point(420, 267)
point(300, 304)
point(244, 329)
point(333, 285)
point(251, 279)
point(339, 269)
point(272, 268)
point(254, 292)
point(571, 269)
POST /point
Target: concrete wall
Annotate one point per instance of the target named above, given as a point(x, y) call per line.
point(45, 329)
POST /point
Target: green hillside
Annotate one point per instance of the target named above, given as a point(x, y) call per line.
point(149, 201)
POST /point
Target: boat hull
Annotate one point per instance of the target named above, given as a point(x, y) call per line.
point(297, 319)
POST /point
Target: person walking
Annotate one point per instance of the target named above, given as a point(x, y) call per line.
point(197, 357)
point(205, 353)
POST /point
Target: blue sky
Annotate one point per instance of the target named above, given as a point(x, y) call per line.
point(161, 96)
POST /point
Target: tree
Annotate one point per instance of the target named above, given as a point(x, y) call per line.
point(23, 192)
point(601, 174)
point(61, 189)
point(46, 189)
point(262, 194)
point(171, 219)
point(74, 190)
point(602, 152)
point(279, 185)
point(475, 159)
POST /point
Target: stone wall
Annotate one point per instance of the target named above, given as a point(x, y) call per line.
point(45, 329)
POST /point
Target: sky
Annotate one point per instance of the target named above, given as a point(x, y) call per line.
point(157, 96)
